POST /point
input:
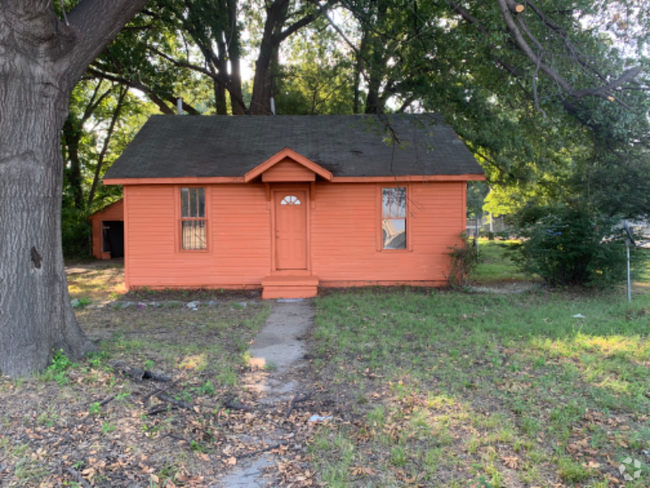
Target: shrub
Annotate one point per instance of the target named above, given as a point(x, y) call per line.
point(463, 262)
point(568, 245)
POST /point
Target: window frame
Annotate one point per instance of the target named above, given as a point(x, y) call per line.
point(180, 219)
point(380, 217)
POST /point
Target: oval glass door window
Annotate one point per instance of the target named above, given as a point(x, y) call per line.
point(290, 200)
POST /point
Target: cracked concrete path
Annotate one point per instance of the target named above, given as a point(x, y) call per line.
point(276, 356)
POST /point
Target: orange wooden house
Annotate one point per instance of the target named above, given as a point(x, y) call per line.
point(290, 203)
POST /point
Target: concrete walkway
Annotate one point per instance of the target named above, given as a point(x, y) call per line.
point(276, 355)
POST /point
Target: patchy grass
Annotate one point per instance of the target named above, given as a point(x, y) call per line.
point(102, 283)
point(97, 283)
point(115, 431)
point(454, 390)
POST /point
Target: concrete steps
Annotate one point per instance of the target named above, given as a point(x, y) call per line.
point(289, 286)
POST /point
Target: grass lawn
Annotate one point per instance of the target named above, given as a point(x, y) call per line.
point(449, 389)
point(496, 265)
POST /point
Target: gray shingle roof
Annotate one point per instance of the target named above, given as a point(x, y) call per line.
point(347, 145)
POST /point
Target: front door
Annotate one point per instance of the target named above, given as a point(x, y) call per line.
point(291, 229)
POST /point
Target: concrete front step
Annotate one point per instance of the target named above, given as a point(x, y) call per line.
point(289, 286)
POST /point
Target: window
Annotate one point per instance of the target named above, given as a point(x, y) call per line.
point(193, 232)
point(393, 222)
point(290, 200)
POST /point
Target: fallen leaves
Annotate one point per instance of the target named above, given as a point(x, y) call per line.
point(361, 471)
point(511, 462)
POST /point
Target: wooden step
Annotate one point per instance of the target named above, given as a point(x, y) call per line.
point(289, 286)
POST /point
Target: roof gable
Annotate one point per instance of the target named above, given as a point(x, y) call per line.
point(281, 158)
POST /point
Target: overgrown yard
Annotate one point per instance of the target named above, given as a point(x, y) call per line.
point(90, 420)
point(425, 387)
point(453, 390)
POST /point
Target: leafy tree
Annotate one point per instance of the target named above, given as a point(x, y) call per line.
point(210, 31)
point(103, 118)
point(552, 97)
point(316, 77)
point(573, 245)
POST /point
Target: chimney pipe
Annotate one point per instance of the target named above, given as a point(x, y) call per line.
point(179, 106)
point(272, 105)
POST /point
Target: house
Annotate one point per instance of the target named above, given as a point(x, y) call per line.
point(290, 203)
point(108, 231)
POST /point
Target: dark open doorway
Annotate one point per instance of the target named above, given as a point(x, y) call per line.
point(113, 237)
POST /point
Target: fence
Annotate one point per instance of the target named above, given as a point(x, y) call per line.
point(487, 224)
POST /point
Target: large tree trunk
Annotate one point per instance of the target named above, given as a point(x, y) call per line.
point(234, 55)
point(36, 318)
point(276, 15)
point(41, 59)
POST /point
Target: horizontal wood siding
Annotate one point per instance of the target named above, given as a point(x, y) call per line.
point(239, 237)
point(288, 170)
point(346, 227)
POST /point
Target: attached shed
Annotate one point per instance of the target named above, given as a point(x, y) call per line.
point(108, 231)
point(290, 203)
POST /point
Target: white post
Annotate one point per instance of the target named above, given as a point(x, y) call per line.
point(179, 106)
point(629, 281)
point(477, 232)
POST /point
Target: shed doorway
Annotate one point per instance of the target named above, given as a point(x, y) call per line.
point(113, 238)
point(291, 229)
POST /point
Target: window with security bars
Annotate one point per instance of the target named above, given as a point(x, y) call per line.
point(193, 228)
point(393, 218)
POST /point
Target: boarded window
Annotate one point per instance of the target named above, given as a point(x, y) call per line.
point(394, 218)
point(193, 229)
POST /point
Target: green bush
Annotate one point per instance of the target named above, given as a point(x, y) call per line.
point(567, 245)
point(76, 234)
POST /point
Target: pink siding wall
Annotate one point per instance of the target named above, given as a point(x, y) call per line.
point(345, 235)
point(239, 235)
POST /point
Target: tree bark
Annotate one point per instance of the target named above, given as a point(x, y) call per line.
point(41, 59)
point(36, 318)
point(234, 55)
point(276, 15)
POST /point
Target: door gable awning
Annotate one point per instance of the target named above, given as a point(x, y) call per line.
point(287, 166)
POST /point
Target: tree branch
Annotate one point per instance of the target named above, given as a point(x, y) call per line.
point(109, 134)
point(214, 76)
point(96, 24)
point(307, 19)
point(164, 108)
point(521, 43)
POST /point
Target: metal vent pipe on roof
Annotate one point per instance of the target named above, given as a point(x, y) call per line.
point(179, 106)
point(272, 105)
